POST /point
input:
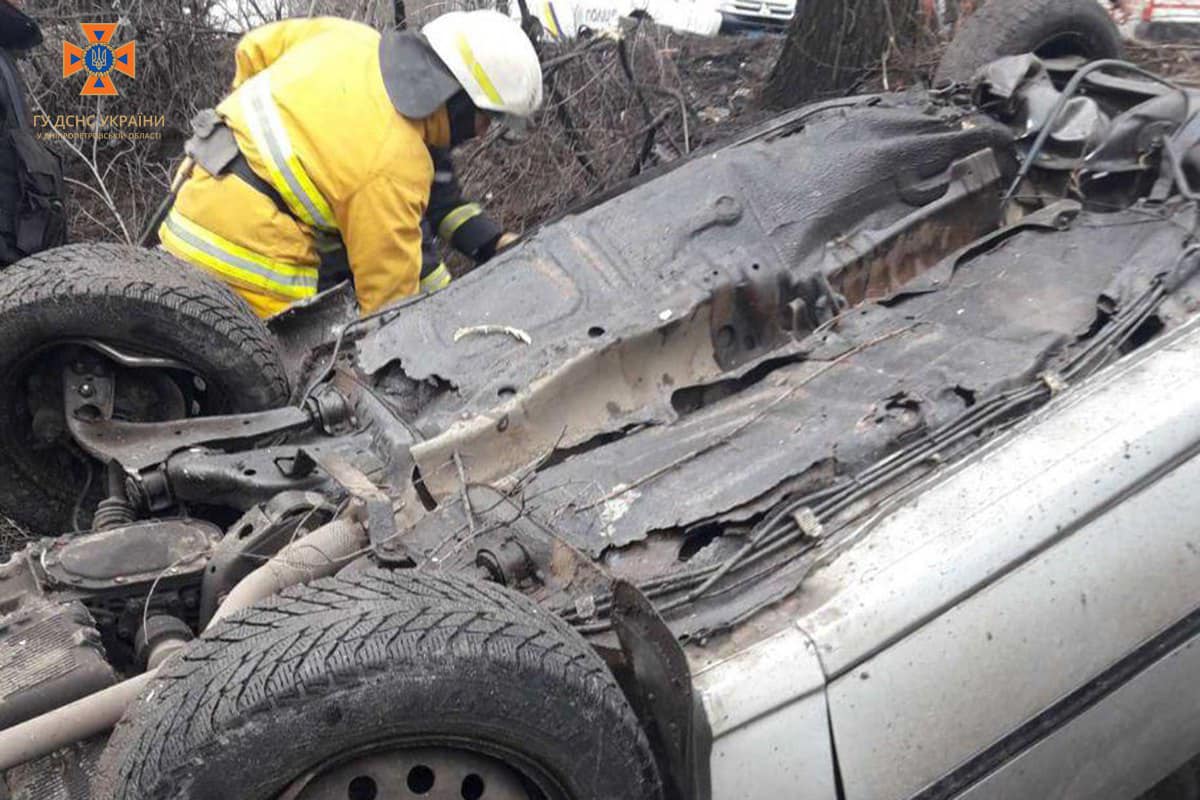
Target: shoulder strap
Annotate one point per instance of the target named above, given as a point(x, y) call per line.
point(241, 168)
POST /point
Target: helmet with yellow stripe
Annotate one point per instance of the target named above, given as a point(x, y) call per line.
point(492, 59)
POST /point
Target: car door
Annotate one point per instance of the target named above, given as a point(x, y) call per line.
point(1026, 627)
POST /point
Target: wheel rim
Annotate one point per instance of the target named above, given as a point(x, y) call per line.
point(417, 773)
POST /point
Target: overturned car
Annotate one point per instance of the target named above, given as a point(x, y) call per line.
point(851, 460)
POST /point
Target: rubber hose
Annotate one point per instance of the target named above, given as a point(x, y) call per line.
point(320, 554)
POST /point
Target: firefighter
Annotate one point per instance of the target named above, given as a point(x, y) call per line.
point(325, 142)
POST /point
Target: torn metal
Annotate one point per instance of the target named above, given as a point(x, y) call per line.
point(777, 340)
point(1013, 321)
point(759, 244)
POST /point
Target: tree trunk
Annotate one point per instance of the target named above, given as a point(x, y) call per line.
point(832, 46)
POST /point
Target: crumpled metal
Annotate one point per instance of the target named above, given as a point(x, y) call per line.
point(1023, 86)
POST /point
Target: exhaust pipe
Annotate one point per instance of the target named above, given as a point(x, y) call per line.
point(318, 555)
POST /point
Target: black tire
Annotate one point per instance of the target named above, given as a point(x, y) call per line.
point(145, 300)
point(1047, 27)
point(351, 662)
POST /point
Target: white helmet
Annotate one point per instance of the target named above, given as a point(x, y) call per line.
point(492, 59)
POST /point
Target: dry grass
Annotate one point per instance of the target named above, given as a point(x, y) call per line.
point(614, 110)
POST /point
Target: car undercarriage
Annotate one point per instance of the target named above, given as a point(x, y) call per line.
point(656, 418)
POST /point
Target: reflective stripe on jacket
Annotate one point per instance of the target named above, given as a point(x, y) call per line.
point(436, 279)
point(461, 225)
point(275, 146)
point(457, 218)
point(312, 117)
point(237, 265)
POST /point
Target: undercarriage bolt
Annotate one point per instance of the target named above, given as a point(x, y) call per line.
point(507, 564)
point(86, 390)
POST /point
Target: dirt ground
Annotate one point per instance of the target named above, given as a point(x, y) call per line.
point(1178, 61)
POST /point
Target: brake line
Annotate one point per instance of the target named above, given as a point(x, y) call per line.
point(779, 530)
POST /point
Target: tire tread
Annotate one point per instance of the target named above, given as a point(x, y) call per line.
point(314, 641)
point(1004, 27)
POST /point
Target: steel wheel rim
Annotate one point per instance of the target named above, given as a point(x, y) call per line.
point(434, 772)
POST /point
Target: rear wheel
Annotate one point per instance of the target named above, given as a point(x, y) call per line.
point(1048, 28)
point(176, 343)
point(384, 685)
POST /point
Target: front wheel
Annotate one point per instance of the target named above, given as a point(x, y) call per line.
point(384, 685)
point(176, 343)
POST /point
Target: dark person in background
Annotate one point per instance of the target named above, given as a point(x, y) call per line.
point(32, 217)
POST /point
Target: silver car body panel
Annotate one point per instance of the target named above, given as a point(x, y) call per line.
point(1116, 749)
point(770, 721)
point(998, 591)
point(927, 704)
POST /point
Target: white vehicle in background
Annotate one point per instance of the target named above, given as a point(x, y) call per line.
point(1010, 24)
point(565, 19)
point(756, 14)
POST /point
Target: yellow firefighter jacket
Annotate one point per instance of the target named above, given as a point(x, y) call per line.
point(312, 117)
